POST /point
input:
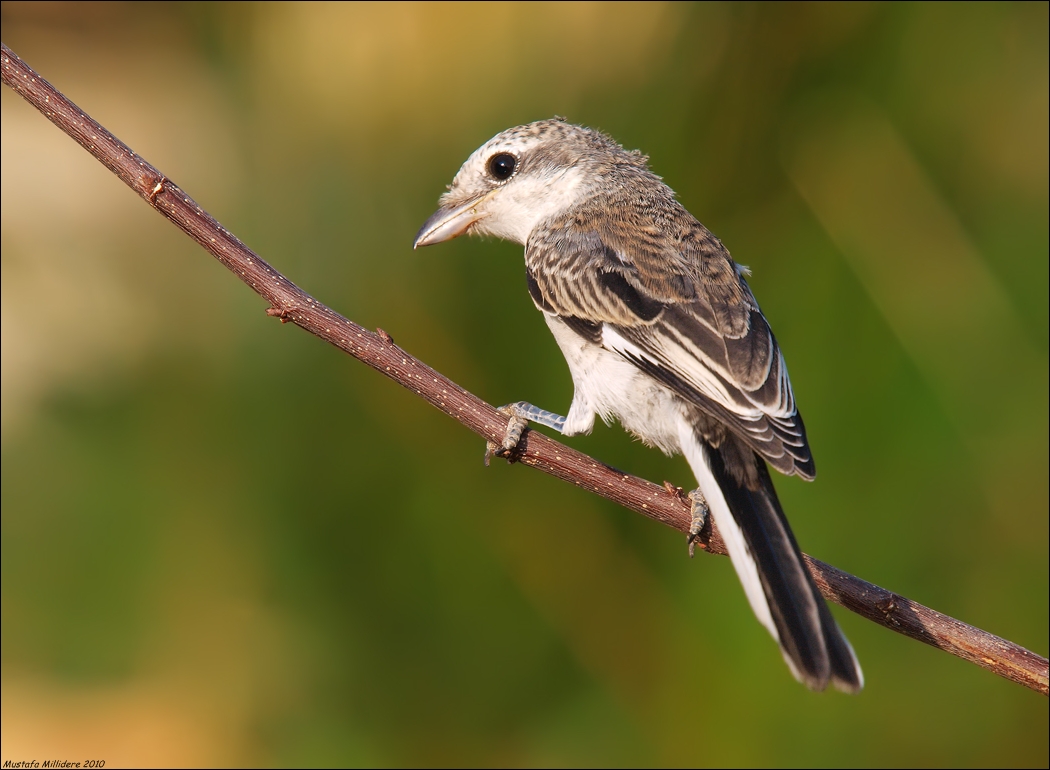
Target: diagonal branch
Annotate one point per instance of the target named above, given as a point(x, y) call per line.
point(661, 503)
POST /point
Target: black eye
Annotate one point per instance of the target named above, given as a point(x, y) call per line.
point(501, 166)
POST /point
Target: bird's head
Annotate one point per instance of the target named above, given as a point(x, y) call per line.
point(524, 176)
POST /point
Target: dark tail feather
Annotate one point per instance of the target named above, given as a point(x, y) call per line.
point(812, 643)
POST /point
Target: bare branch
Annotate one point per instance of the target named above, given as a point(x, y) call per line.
point(664, 504)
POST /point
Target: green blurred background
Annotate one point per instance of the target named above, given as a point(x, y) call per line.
point(225, 542)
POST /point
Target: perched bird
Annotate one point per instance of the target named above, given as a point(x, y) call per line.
point(660, 331)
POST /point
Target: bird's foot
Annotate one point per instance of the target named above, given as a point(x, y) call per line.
point(699, 513)
point(521, 414)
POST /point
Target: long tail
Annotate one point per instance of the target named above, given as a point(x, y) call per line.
point(769, 564)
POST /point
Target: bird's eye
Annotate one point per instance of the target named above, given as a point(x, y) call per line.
point(501, 166)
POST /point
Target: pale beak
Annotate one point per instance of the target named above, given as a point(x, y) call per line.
point(446, 224)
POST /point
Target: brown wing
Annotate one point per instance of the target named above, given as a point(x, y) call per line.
point(665, 294)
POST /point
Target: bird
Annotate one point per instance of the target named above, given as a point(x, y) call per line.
point(661, 332)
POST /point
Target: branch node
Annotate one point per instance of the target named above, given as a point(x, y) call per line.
point(283, 313)
point(675, 490)
point(158, 188)
point(888, 604)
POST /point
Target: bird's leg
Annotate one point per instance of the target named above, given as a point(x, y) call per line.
point(521, 414)
point(699, 512)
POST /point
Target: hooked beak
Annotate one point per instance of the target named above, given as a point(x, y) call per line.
point(446, 224)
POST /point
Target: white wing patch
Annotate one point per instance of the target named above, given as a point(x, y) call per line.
point(700, 377)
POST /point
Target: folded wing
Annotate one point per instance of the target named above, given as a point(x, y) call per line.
point(687, 318)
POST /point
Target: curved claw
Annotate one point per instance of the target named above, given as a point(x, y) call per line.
point(515, 427)
point(521, 413)
point(699, 512)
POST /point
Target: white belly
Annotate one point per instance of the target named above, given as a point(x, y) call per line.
point(610, 386)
